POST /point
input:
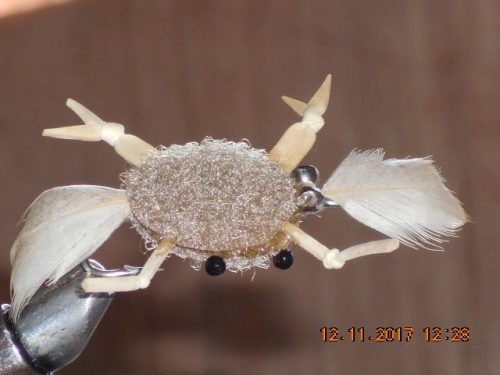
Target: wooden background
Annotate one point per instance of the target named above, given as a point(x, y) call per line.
point(414, 77)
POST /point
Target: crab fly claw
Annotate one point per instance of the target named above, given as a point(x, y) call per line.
point(130, 147)
point(313, 111)
point(299, 138)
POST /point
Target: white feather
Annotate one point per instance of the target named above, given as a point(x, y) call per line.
point(405, 199)
point(62, 227)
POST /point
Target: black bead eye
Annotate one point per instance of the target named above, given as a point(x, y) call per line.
point(284, 259)
point(215, 265)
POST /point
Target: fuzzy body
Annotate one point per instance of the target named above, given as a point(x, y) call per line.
point(213, 197)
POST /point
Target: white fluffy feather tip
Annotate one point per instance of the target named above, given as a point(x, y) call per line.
point(405, 199)
point(62, 227)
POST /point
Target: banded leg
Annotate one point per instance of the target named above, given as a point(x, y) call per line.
point(128, 146)
point(130, 283)
point(333, 258)
point(299, 138)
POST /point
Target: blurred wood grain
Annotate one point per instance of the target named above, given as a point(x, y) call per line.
point(414, 77)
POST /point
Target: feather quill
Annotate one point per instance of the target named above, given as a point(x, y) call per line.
point(405, 199)
point(62, 227)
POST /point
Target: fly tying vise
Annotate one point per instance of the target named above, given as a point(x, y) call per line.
point(225, 204)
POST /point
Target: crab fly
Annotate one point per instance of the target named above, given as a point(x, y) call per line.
point(225, 205)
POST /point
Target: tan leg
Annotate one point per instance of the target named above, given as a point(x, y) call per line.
point(130, 283)
point(298, 140)
point(333, 258)
point(130, 147)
